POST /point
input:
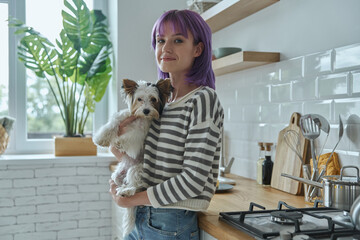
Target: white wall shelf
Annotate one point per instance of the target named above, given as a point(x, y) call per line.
point(227, 12)
point(243, 60)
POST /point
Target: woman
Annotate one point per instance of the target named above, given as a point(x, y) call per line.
point(182, 148)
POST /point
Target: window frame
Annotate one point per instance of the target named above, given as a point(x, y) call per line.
point(19, 143)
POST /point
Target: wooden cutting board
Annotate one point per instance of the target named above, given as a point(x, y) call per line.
point(286, 160)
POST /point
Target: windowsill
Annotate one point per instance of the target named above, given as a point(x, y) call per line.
point(51, 158)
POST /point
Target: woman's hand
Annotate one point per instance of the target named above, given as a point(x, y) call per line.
point(121, 130)
point(116, 152)
point(124, 124)
point(139, 198)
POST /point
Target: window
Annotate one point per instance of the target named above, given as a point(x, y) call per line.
point(42, 114)
point(22, 95)
point(4, 60)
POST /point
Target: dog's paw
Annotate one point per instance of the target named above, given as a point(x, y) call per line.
point(127, 192)
point(119, 191)
point(102, 142)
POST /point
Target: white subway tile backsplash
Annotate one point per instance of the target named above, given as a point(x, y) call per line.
point(291, 69)
point(346, 107)
point(287, 109)
point(280, 92)
point(355, 86)
point(251, 113)
point(319, 107)
point(326, 83)
point(270, 113)
point(333, 86)
point(318, 63)
point(347, 57)
point(259, 93)
point(304, 89)
point(270, 74)
point(234, 113)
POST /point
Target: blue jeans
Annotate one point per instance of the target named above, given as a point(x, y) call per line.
point(164, 224)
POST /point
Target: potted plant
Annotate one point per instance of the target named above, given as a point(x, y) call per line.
point(77, 70)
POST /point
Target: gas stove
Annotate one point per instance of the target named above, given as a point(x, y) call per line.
point(287, 222)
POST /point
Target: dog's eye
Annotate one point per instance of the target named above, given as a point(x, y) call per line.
point(153, 99)
point(139, 99)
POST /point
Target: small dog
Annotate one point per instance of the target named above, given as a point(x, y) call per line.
point(146, 101)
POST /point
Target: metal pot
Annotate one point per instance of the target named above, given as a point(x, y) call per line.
point(340, 191)
point(355, 213)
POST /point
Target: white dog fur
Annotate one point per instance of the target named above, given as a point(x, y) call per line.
point(145, 101)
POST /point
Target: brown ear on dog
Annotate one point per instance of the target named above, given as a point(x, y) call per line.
point(165, 89)
point(129, 86)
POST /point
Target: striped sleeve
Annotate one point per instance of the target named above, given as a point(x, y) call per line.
point(200, 154)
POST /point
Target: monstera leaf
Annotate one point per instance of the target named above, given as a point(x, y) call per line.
point(80, 64)
point(67, 55)
point(98, 35)
point(34, 50)
point(77, 23)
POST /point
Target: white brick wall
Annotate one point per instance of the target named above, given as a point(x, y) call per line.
point(258, 103)
point(50, 199)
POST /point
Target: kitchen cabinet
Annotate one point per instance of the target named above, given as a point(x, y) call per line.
point(227, 12)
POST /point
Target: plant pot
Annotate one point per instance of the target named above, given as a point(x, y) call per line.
point(74, 146)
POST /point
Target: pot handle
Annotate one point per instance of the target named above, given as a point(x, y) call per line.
point(350, 166)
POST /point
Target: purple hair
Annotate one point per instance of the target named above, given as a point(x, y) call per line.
point(201, 73)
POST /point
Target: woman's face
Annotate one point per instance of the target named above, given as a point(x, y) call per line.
point(175, 53)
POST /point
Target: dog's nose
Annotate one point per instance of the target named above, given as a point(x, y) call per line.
point(146, 111)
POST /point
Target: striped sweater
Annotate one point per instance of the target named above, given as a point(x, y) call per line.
point(182, 152)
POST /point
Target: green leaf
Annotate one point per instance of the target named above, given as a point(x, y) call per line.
point(90, 64)
point(38, 54)
point(77, 23)
point(100, 81)
point(99, 35)
point(68, 56)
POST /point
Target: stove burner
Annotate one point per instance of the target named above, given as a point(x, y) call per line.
point(284, 217)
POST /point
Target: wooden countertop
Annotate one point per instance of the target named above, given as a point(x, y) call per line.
point(238, 199)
